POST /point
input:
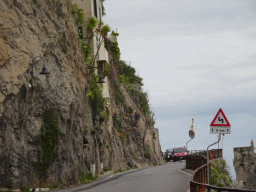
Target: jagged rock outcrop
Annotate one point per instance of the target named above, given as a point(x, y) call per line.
point(244, 164)
point(31, 28)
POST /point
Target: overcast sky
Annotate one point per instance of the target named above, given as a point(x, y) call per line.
point(195, 56)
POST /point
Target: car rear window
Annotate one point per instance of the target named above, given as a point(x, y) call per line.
point(180, 150)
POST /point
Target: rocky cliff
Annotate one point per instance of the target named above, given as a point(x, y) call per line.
point(46, 28)
point(244, 165)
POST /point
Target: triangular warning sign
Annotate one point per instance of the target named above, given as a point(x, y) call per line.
point(220, 119)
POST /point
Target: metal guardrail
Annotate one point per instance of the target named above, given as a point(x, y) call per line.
point(199, 178)
point(191, 152)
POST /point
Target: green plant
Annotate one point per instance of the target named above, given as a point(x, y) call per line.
point(48, 141)
point(85, 48)
point(123, 79)
point(92, 23)
point(104, 115)
point(25, 189)
point(130, 110)
point(119, 98)
point(115, 50)
point(9, 184)
point(105, 168)
point(87, 177)
point(134, 167)
point(97, 101)
point(107, 146)
point(219, 175)
point(117, 124)
point(103, 10)
point(154, 134)
point(78, 14)
point(147, 151)
point(105, 29)
point(114, 34)
point(129, 71)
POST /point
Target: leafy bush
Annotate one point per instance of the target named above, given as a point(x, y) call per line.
point(142, 99)
point(104, 115)
point(129, 71)
point(25, 189)
point(85, 48)
point(78, 14)
point(97, 101)
point(92, 23)
point(115, 50)
point(9, 184)
point(119, 98)
point(219, 175)
point(48, 141)
point(87, 177)
point(123, 79)
point(105, 168)
point(147, 151)
point(105, 29)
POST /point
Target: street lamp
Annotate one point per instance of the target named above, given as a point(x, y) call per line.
point(44, 70)
point(101, 80)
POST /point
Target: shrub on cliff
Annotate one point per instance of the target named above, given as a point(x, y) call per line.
point(147, 151)
point(219, 175)
point(97, 101)
point(48, 141)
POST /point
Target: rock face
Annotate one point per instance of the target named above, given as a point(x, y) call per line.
point(31, 28)
point(244, 163)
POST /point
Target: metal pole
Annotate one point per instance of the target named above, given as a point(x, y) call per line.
point(208, 182)
point(187, 144)
point(218, 146)
point(222, 144)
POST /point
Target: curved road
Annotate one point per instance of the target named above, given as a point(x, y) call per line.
point(163, 178)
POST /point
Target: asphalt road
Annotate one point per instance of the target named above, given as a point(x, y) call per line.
point(163, 178)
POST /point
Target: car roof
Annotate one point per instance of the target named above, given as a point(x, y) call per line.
point(179, 147)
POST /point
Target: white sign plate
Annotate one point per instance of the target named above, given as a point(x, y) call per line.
point(218, 130)
point(220, 124)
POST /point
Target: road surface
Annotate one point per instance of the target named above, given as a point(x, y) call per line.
point(163, 178)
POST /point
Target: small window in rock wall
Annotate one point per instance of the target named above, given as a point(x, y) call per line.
point(95, 8)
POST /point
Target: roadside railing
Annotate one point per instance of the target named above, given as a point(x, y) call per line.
point(195, 161)
point(191, 152)
point(198, 179)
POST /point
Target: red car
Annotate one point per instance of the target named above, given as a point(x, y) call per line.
point(179, 153)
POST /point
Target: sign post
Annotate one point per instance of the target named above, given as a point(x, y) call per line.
point(219, 125)
point(191, 133)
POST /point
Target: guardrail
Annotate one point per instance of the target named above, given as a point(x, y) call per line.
point(191, 152)
point(195, 161)
point(198, 179)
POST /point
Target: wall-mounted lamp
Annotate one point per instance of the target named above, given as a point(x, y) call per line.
point(44, 70)
point(101, 80)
